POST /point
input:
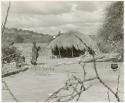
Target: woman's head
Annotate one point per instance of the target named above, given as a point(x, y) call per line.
point(34, 43)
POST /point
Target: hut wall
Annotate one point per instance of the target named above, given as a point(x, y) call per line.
point(67, 52)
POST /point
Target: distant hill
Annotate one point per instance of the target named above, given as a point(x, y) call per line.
point(25, 36)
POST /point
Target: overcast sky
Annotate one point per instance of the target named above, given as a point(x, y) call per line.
point(51, 17)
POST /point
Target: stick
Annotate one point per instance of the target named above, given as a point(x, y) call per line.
point(10, 91)
point(103, 83)
point(14, 72)
point(118, 82)
point(108, 96)
point(4, 24)
point(84, 72)
point(68, 85)
point(90, 79)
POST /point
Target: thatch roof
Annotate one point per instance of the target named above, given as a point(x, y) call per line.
point(74, 39)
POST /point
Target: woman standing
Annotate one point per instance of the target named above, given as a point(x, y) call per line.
point(35, 53)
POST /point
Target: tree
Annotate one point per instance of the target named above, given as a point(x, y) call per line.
point(19, 39)
point(112, 29)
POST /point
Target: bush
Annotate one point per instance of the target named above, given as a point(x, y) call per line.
point(10, 54)
point(19, 39)
point(104, 47)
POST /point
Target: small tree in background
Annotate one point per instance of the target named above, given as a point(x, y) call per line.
point(19, 39)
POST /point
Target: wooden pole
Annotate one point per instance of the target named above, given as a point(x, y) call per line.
point(72, 51)
point(59, 52)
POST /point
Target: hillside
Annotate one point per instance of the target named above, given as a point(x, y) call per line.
point(25, 36)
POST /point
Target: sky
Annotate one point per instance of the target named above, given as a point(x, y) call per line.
point(50, 17)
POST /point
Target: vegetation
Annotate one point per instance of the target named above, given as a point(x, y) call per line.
point(10, 54)
point(27, 35)
point(111, 34)
point(19, 39)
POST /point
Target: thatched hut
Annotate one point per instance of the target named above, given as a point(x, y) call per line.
point(71, 44)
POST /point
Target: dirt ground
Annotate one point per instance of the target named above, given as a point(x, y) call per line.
point(37, 83)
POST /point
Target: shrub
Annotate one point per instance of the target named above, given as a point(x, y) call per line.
point(10, 54)
point(19, 39)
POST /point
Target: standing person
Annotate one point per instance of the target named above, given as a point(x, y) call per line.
point(35, 53)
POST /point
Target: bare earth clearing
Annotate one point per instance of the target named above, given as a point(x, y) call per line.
point(36, 84)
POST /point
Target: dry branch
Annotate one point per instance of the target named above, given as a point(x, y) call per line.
point(92, 53)
point(14, 72)
point(77, 93)
point(108, 96)
point(103, 83)
point(100, 58)
point(5, 21)
point(117, 90)
point(90, 79)
point(10, 91)
point(75, 84)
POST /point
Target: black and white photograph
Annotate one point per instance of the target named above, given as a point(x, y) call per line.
point(62, 51)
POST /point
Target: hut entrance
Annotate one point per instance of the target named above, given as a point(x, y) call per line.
point(67, 52)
